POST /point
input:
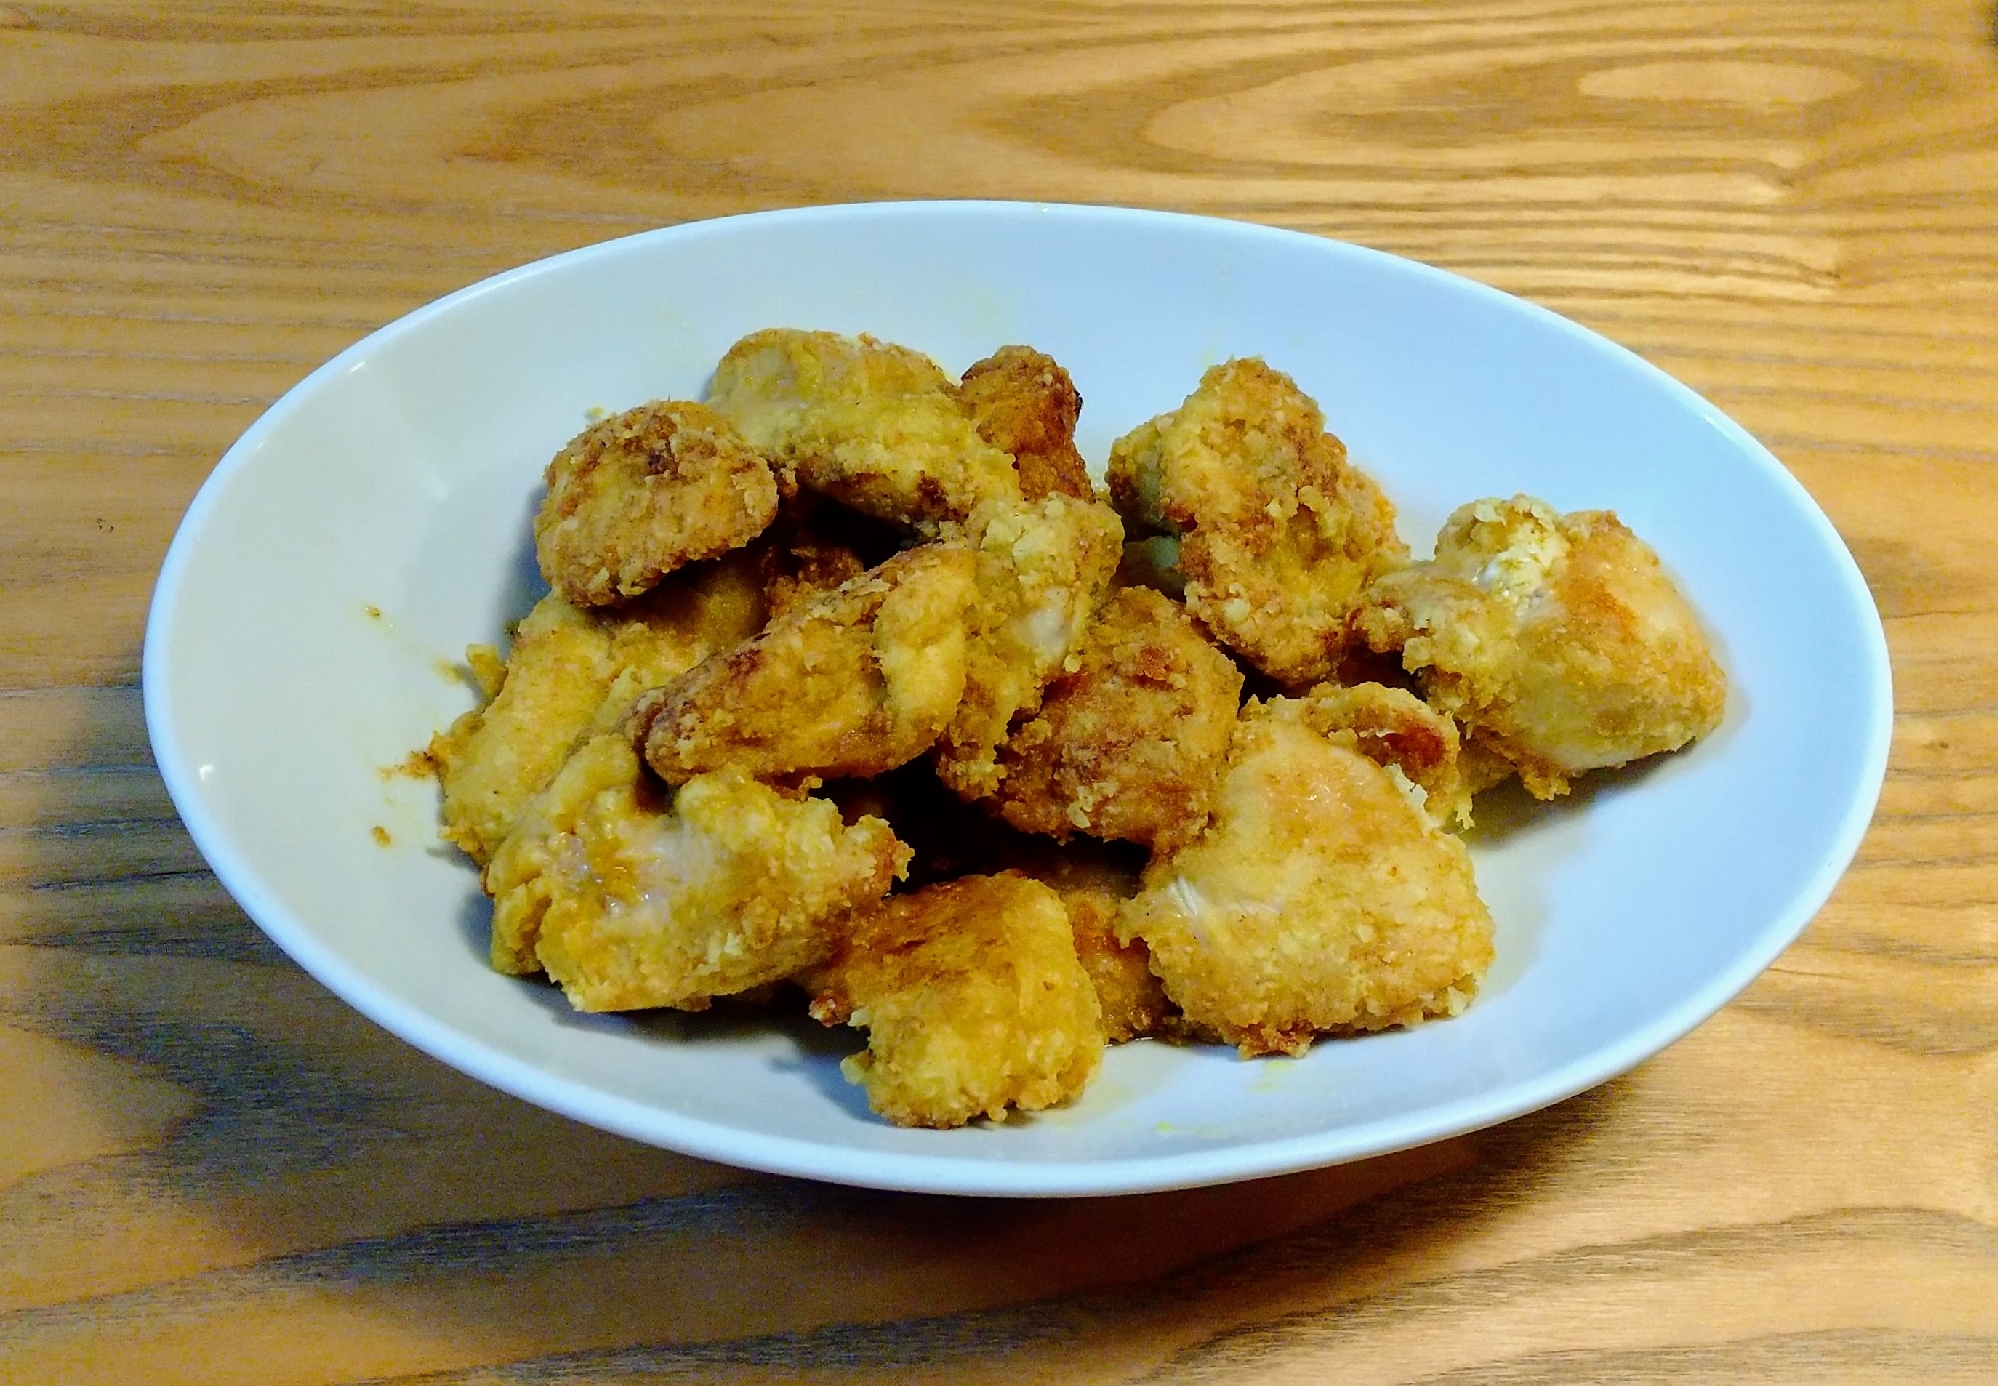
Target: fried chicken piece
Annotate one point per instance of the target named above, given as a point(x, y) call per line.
point(570, 671)
point(631, 897)
point(875, 426)
point(1044, 567)
point(1131, 737)
point(1557, 641)
point(1133, 1000)
point(645, 493)
point(673, 628)
point(1401, 733)
point(493, 759)
point(1094, 880)
point(973, 1001)
point(951, 838)
point(854, 682)
point(1321, 898)
point(1023, 403)
point(1278, 532)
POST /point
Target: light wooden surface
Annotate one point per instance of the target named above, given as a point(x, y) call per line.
point(213, 1172)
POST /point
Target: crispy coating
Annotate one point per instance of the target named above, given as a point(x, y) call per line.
point(644, 493)
point(1320, 898)
point(1044, 567)
point(973, 1001)
point(1094, 880)
point(854, 682)
point(875, 426)
point(1400, 732)
point(493, 759)
point(1557, 641)
point(1131, 737)
point(630, 897)
point(951, 838)
point(1023, 403)
point(570, 671)
point(1278, 532)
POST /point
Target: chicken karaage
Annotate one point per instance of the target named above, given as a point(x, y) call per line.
point(631, 896)
point(643, 494)
point(1278, 533)
point(1043, 569)
point(1132, 733)
point(1557, 641)
point(877, 427)
point(1321, 898)
point(1023, 403)
point(1094, 879)
point(972, 998)
point(853, 682)
point(571, 671)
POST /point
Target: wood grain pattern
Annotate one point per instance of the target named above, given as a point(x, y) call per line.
point(210, 1171)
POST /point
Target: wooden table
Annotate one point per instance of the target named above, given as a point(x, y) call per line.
point(211, 1171)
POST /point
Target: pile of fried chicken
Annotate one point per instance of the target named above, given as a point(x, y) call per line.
point(850, 680)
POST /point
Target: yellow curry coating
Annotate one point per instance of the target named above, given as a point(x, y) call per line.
point(630, 896)
point(1557, 641)
point(1131, 736)
point(973, 1001)
point(1320, 899)
point(571, 671)
point(1278, 532)
point(644, 493)
point(874, 426)
point(855, 681)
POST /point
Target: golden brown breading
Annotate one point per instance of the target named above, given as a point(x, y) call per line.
point(1320, 898)
point(1043, 569)
point(1278, 532)
point(973, 1001)
point(1093, 880)
point(1132, 998)
point(631, 897)
point(875, 426)
point(1023, 403)
point(854, 682)
point(571, 671)
point(1131, 735)
point(689, 618)
point(1557, 641)
point(493, 759)
point(1397, 730)
point(644, 493)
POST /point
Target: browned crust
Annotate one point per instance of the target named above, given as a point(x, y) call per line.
point(853, 682)
point(1129, 743)
point(1023, 403)
point(645, 493)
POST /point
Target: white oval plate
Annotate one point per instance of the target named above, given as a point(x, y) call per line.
point(401, 476)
